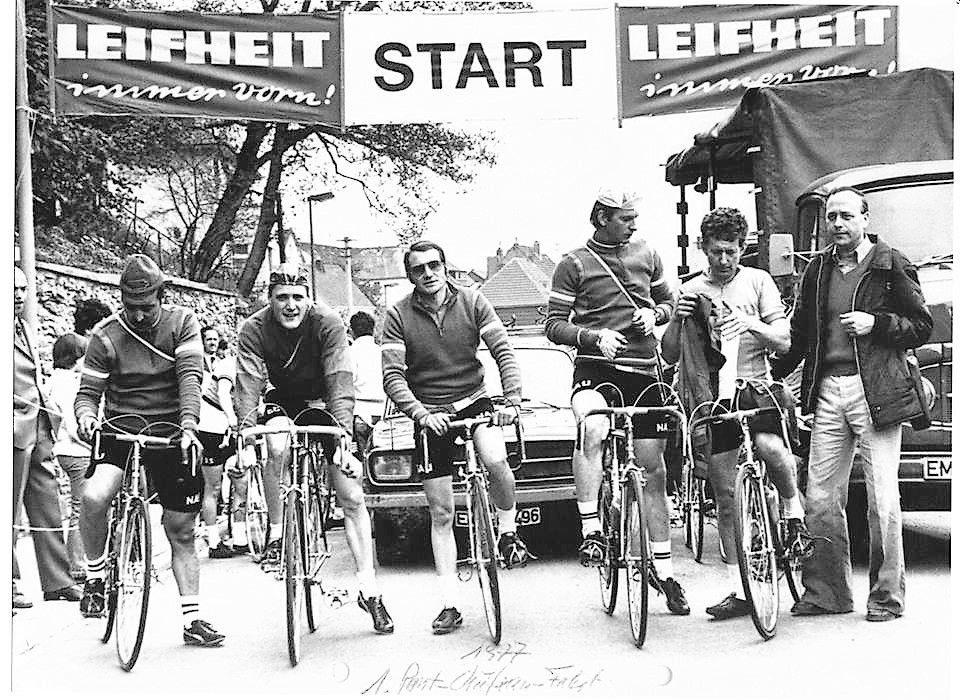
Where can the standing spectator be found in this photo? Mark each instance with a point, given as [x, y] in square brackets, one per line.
[367, 378]
[34, 484]
[211, 341]
[859, 307]
[72, 453]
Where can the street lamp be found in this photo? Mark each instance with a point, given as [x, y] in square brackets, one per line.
[322, 197]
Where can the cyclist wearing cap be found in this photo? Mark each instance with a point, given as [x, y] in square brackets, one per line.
[589, 308]
[146, 361]
[753, 325]
[301, 348]
[432, 373]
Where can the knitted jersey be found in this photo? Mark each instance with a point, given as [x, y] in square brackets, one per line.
[304, 364]
[584, 298]
[431, 361]
[136, 379]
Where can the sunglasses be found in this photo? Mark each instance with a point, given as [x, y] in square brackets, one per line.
[418, 271]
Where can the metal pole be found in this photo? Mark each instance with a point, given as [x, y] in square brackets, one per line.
[24, 173]
[313, 256]
[346, 245]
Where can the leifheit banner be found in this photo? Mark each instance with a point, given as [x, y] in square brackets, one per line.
[455, 67]
[241, 66]
[702, 57]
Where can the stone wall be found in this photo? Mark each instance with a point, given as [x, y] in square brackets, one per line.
[59, 287]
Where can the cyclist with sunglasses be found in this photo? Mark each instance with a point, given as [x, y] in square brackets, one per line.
[301, 348]
[432, 373]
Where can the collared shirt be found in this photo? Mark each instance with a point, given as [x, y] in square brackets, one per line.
[847, 262]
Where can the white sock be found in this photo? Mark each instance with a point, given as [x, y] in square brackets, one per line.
[507, 520]
[190, 605]
[448, 590]
[213, 535]
[734, 583]
[367, 582]
[96, 567]
[793, 508]
[589, 520]
[662, 560]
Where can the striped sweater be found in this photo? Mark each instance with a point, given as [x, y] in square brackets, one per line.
[138, 382]
[585, 299]
[431, 361]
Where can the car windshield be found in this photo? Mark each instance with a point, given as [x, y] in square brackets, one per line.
[545, 373]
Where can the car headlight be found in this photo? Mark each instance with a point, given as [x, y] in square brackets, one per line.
[391, 466]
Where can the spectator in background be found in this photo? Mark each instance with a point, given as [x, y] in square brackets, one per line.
[34, 484]
[71, 452]
[89, 313]
[367, 378]
[211, 341]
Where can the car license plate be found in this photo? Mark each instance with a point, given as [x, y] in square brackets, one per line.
[525, 516]
[937, 468]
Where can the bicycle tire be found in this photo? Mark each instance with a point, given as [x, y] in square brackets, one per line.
[256, 519]
[609, 528]
[756, 554]
[636, 556]
[294, 552]
[485, 558]
[313, 532]
[792, 568]
[133, 577]
[110, 573]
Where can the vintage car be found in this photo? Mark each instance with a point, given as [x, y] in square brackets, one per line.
[546, 510]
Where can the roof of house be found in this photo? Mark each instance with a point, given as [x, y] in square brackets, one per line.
[518, 283]
[530, 253]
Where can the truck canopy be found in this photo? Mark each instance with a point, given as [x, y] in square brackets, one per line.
[781, 138]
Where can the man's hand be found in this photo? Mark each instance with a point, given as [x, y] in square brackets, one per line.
[86, 427]
[736, 323]
[610, 342]
[644, 320]
[188, 438]
[350, 466]
[857, 323]
[248, 457]
[686, 305]
[439, 423]
[503, 416]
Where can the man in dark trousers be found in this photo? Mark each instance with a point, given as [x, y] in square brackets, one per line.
[34, 484]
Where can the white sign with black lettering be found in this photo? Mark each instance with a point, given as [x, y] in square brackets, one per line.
[416, 68]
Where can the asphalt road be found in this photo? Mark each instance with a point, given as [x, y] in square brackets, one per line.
[556, 640]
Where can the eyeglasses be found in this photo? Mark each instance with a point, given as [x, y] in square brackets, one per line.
[418, 271]
[288, 278]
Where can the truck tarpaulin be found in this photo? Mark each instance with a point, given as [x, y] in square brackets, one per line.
[783, 138]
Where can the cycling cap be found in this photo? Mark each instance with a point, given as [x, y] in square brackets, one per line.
[140, 276]
[618, 198]
[288, 273]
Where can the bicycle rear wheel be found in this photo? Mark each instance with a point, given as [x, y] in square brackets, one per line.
[133, 582]
[294, 552]
[313, 534]
[790, 565]
[485, 557]
[636, 555]
[256, 519]
[756, 553]
[693, 511]
[609, 526]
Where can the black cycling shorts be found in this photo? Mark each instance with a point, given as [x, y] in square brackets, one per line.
[177, 488]
[213, 454]
[727, 436]
[278, 406]
[442, 448]
[606, 379]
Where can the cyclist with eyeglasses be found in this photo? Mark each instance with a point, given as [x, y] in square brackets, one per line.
[146, 362]
[301, 348]
[432, 373]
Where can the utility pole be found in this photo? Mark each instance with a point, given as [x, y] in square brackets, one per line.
[322, 197]
[24, 171]
[348, 256]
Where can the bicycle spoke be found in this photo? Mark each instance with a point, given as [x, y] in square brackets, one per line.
[133, 583]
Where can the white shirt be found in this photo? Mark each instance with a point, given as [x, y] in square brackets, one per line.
[62, 390]
[367, 378]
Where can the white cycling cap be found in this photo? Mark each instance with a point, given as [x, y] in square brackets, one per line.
[618, 197]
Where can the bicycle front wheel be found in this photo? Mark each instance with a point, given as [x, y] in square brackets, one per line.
[693, 511]
[294, 553]
[133, 582]
[790, 564]
[609, 528]
[485, 557]
[756, 553]
[313, 534]
[255, 518]
[636, 555]
[110, 572]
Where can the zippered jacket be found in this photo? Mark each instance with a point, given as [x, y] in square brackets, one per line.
[890, 290]
[426, 361]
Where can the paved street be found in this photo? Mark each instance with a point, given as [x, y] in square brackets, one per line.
[556, 640]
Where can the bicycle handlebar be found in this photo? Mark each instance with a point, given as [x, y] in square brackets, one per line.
[193, 454]
[633, 411]
[257, 430]
[469, 424]
[733, 415]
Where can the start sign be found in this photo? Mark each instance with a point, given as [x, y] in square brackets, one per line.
[414, 68]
